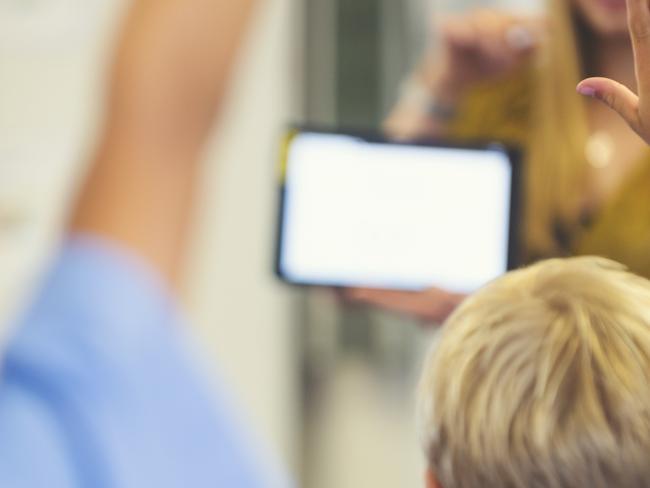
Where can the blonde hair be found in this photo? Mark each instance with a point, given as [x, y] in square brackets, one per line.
[556, 165]
[542, 379]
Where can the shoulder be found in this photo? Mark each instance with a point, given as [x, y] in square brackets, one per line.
[98, 304]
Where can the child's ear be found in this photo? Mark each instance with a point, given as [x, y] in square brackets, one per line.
[432, 481]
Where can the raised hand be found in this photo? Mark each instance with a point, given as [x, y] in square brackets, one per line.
[633, 107]
[168, 79]
[471, 48]
[485, 44]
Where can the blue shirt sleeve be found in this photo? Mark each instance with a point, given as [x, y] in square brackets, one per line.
[98, 389]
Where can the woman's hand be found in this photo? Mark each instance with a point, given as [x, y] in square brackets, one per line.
[431, 306]
[635, 109]
[471, 48]
[482, 45]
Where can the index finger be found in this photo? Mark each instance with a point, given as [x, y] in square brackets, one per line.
[638, 15]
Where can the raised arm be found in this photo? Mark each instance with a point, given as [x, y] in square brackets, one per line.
[97, 384]
[479, 46]
[168, 78]
[634, 108]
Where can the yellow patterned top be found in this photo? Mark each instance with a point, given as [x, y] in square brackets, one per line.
[620, 230]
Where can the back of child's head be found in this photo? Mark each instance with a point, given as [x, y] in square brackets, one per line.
[542, 379]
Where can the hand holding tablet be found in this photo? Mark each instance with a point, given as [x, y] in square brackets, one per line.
[364, 212]
[431, 306]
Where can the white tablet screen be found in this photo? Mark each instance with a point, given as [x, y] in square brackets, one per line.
[358, 213]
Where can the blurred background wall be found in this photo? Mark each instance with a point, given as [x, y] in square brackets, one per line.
[51, 54]
[328, 388]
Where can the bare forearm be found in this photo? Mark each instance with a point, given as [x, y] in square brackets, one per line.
[141, 198]
[169, 76]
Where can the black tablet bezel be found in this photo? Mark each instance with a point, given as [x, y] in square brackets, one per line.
[513, 153]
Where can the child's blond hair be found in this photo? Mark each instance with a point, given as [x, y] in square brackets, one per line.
[542, 379]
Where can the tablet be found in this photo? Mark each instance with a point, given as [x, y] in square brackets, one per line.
[361, 211]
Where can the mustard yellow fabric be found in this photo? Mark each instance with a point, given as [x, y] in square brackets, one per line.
[620, 230]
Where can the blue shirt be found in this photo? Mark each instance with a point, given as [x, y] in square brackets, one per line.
[98, 389]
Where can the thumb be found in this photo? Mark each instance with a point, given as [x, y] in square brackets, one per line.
[616, 96]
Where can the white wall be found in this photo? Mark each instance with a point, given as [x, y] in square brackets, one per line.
[51, 56]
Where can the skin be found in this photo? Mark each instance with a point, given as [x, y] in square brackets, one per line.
[615, 60]
[607, 17]
[430, 479]
[167, 84]
[475, 47]
[633, 108]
